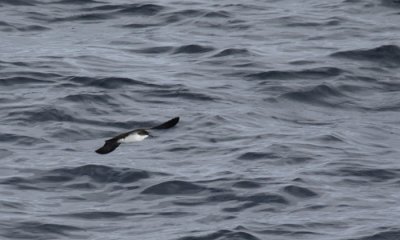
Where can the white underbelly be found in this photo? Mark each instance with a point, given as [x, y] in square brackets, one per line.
[133, 138]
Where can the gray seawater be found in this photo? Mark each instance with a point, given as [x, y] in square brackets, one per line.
[289, 119]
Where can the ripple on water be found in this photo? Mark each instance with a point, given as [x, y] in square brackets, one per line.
[192, 49]
[98, 215]
[21, 81]
[43, 114]
[314, 73]
[141, 9]
[323, 95]
[19, 2]
[32, 229]
[82, 177]
[181, 94]
[381, 235]
[223, 235]
[257, 156]
[388, 55]
[20, 140]
[154, 50]
[246, 184]
[174, 188]
[372, 174]
[233, 52]
[108, 82]
[300, 192]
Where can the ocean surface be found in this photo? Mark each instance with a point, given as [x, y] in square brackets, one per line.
[290, 123]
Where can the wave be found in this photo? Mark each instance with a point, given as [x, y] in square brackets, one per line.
[140, 25]
[174, 188]
[257, 155]
[19, 2]
[108, 82]
[217, 14]
[108, 7]
[189, 14]
[240, 202]
[102, 174]
[141, 9]
[199, 13]
[111, 11]
[314, 73]
[233, 52]
[323, 95]
[11, 205]
[4, 153]
[4, 24]
[382, 234]
[376, 175]
[326, 23]
[96, 215]
[391, 3]
[278, 154]
[301, 21]
[76, 132]
[386, 54]
[36, 76]
[192, 49]
[125, 9]
[83, 177]
[183, 94]
[222, 235]
[185, 49]
[20, 139]
[329, 138]
[19, 64]
[88, 98]
[299, 191]
[77, 2]
[84, 17]
[15, 81]
[264, 198]
[155, 50]
[33, 229]
[43, 114]
[246, 184]
[29, 28]
[7, 27]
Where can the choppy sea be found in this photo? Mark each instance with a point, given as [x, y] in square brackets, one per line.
[290, 124]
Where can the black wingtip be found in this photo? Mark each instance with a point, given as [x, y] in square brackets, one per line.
[102, 151]
[108, 147]
[169, 124]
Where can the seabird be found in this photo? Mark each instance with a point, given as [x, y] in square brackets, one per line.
[133, 136]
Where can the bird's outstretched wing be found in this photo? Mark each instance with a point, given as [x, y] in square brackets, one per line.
[109, 146]
[168, 124]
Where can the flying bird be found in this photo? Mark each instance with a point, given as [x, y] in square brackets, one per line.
[133, 136]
